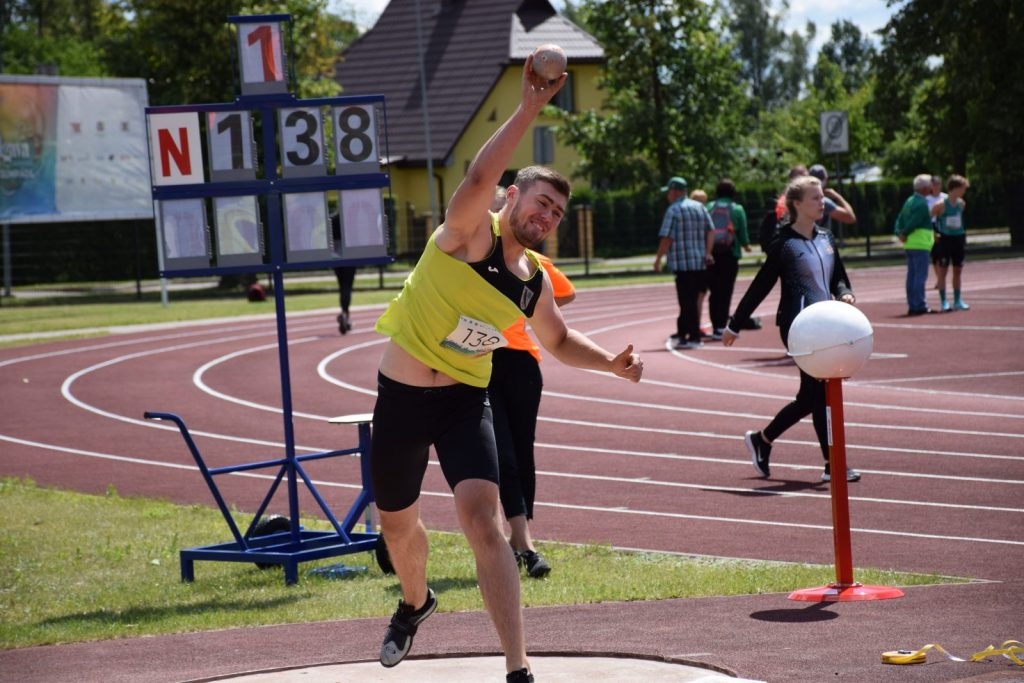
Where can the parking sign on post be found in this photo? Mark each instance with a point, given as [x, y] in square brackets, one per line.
[835, 132]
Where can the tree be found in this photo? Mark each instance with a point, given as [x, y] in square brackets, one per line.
[673, 102]
[773, 63]
[964, 49]
[53, 36]
[184, 48]
[849, 50]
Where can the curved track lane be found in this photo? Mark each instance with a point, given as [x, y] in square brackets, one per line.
[935, 421]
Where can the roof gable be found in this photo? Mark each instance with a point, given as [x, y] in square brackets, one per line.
[467, 45]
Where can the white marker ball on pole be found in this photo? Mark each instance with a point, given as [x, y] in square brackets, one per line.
[830, 339]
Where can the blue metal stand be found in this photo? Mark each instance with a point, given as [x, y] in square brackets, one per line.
[286, 548]
[300, 168]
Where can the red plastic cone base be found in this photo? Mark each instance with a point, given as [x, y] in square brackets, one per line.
[840, 593]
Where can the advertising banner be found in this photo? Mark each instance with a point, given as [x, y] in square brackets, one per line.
[73, 149]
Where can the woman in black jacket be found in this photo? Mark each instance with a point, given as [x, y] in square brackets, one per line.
[807, 262]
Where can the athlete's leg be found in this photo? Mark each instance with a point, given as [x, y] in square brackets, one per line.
[476, 502]
[406, 540]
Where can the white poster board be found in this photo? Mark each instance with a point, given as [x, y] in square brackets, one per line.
[73, 149]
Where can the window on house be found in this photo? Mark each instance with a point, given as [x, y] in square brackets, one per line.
[543, 145]
[563, 99]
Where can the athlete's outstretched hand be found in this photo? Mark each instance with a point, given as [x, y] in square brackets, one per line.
[628, 365]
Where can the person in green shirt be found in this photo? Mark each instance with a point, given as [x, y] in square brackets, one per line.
[914, 230]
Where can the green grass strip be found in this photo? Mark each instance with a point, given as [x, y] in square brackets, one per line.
[79, 567]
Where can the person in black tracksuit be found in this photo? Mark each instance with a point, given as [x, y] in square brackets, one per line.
[808, 264]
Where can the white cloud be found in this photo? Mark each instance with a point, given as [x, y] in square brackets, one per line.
[868, 15]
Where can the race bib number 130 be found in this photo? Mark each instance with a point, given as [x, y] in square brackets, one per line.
[474, 338]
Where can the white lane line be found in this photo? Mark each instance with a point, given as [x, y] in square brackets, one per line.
[68, 393]
[197, 378]
[557, 506]
[152, 463]
[722, 413]
[125, 342]
[767, 493]
[933, 378]
[788, 525]
[887, 407]
[321, 367]
[730, 437]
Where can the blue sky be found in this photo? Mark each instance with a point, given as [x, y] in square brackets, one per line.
[869, 15]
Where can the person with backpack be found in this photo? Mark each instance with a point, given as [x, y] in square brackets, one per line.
[731, 236]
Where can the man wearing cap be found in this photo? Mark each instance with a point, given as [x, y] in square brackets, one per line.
[687, 237]
[836, 207]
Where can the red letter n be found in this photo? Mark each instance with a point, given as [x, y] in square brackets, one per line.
[177, 149]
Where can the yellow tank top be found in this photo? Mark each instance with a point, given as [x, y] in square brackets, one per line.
[448, 317]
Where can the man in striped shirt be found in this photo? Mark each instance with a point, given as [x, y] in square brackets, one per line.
[687, 237]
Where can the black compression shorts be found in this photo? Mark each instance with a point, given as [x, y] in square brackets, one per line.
[407, 420]
[949, 249]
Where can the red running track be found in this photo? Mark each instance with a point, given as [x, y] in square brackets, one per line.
[934, 421]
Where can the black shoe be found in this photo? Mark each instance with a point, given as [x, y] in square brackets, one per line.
[534, 564]
[520, 676]
[344, 323]
[759, 451]
[851, 474]
[398, 637]
[921, 312]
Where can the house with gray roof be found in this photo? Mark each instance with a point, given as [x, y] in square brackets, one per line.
[449, 71]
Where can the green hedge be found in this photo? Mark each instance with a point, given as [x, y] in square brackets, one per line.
[101, 251]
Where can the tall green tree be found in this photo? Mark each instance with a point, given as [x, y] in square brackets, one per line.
[674, 102]
[56, 37]
[185, 49]
[773, 62]
[969, 52]
[850, 51]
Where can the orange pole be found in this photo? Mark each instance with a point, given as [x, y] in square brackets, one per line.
[844, 588]
[838, 485]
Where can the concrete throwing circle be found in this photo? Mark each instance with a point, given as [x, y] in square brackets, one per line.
[568, 669]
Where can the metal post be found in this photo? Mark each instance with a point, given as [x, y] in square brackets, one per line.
[8, 278]
[138, 262]
[845, 588]
[838, 485]
[426, 112]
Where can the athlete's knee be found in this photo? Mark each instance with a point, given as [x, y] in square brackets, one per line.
[400, 524]
[476, 502]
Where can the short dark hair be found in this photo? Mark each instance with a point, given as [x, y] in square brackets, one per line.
[532, 174]
[725, 188]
